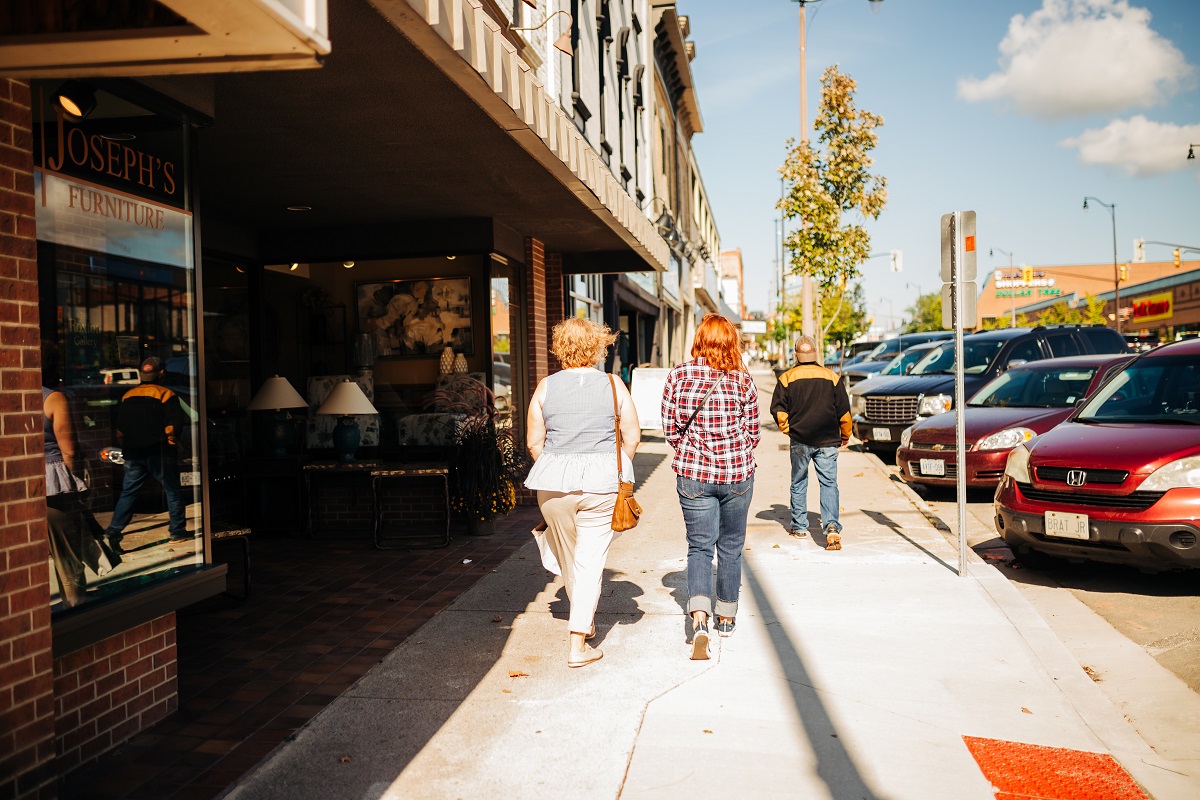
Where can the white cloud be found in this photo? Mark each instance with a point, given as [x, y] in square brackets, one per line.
[1077, 57]
[1137, 146]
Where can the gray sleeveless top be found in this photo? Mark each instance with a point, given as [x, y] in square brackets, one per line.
[580, 454]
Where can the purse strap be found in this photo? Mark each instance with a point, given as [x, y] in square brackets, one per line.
[683, 431]
[617, 423]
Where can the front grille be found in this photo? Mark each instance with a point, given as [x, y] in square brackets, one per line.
[951, 471]
[1135, 501]
[893, 410]
[1059, 475]
[989, 474]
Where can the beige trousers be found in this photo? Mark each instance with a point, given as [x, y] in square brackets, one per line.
[579, 531]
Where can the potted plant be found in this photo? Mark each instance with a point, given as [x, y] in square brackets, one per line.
[487, 463]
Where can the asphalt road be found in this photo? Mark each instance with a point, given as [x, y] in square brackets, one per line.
[1160, 613]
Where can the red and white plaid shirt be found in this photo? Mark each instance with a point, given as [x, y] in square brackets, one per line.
[719, 445]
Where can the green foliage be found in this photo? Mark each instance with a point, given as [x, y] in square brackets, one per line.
[926, 314]
[826, 183]
[844, 314]
[1091, 312]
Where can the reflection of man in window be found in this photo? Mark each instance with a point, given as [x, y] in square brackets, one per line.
[150, 420]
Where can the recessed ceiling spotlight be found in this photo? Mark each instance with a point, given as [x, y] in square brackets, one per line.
[451, 258]
[348, 264]
[118, 137]
[299, 208]
[295, 266]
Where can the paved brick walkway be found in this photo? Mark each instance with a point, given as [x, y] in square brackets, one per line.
[251, 674]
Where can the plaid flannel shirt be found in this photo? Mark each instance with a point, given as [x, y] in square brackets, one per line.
[719, 445]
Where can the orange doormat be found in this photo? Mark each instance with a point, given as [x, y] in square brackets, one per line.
[1031, 772]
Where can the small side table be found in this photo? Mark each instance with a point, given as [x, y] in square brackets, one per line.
[393, 472]
[351, 474]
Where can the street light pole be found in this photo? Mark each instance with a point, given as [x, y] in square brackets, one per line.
[1012, 295]
[1112, 208]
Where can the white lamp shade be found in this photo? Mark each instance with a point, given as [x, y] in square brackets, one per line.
[274, 394]
[347, 398]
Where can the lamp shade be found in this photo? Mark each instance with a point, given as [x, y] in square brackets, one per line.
[347, 398]
[274, 394]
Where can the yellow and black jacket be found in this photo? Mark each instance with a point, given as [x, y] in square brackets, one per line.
[149, 417]
[812, 407]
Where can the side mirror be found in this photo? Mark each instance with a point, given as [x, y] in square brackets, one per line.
[1016, 362]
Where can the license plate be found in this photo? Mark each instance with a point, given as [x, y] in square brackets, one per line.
[881, 434]
[933, 466]
[1067, 526]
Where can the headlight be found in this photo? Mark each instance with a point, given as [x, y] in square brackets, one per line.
[905, 436]
[934, 404]
[860, 404]
[1017, 466]
[1178, 474]
[1005, 439]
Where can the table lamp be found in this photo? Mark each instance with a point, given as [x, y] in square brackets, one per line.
[277, 394]
[346, 398]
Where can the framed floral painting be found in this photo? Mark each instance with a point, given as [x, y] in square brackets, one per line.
[417, 318]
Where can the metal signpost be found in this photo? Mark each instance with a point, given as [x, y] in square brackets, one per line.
[959, 296]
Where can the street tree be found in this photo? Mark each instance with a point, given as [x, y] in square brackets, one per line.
[926, 314]
[827, 183]
[845, 314]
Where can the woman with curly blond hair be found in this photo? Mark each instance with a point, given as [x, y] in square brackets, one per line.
[710, 417]
[572, 437]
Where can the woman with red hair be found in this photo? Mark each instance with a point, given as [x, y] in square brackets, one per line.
[710, 417]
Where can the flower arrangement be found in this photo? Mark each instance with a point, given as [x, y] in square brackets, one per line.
[487, 463]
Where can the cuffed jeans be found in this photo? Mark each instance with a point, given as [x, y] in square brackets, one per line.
[825, 460]
[715, 517]
[579, 531]
[164, 469]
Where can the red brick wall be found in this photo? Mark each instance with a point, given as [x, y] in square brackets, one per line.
[536, 333]
[555, 306]
[26, 663]
[107, 692]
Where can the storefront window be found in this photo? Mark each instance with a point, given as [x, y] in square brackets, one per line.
[117, 292]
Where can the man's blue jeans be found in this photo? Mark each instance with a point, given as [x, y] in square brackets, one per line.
[825, 460]
[164, 469]
[715, 517]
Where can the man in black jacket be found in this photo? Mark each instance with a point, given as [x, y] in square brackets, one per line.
[150, 420]
[812, 407]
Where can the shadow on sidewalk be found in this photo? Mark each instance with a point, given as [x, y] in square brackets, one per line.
[834, 764]
[618, 598]
[884, 519]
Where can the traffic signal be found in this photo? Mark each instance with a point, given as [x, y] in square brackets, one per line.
[1124, 272]
[1139, 250]
[1027, 274]
[1177, 258]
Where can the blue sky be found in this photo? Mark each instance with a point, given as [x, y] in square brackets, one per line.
[1015, 109]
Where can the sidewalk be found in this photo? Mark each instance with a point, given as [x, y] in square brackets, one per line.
[853, 674]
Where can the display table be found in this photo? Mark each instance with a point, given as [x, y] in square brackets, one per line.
[389, 483]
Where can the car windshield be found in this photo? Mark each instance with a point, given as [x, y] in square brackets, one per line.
[1036, 388]
[1157, 390]
[878, 352]
[940, 360]
[900, 363]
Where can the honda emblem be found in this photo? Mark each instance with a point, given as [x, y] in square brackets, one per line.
[1076, 477]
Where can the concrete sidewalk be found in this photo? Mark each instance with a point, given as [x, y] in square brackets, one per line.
[852, 674]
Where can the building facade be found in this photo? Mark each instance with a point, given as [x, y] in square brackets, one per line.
[429, 176]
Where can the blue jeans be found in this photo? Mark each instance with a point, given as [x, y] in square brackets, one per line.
[163, 468]
[825, 460]
[715, 517]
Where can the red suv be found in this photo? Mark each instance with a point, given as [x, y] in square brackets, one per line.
[1119, 481]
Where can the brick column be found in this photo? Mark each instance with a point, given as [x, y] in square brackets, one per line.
[555, 300]
[537, 335]
[27, 742]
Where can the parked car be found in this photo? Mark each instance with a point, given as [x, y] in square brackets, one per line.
[1119, 481]
[902, 364]
[1023, 402]
[881, 357]
[882, 412]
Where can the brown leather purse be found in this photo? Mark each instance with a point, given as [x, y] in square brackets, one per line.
[627, 509]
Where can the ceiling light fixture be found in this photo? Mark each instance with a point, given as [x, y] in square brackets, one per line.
[348, 264]
[563, 42]
[76, 99]
[451, 258]
[295, 266]
[1191, 152]
[299, 208]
